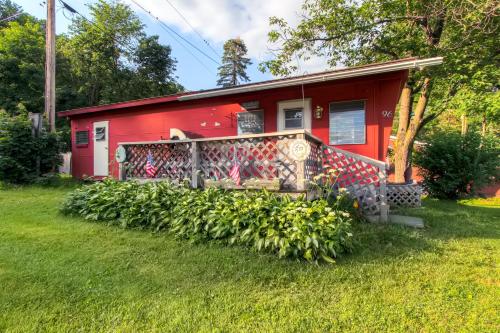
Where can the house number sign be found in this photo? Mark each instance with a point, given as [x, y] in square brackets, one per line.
[386, 114]
[120, 154]
[299, 149]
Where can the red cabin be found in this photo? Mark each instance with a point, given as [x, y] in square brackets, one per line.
[351, 109]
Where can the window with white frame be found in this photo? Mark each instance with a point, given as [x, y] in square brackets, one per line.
[347, 123]
[294, 114]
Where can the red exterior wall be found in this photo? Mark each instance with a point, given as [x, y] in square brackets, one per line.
[153, 122]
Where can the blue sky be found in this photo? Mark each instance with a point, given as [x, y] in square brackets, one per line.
[215, 20]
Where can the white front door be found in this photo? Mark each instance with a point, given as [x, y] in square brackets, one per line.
[101, 155]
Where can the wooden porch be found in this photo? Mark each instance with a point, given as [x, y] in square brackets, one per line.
[281, 161]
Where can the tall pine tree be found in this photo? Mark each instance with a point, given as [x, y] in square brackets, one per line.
[234, 63]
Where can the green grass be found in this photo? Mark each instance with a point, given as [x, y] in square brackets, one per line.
[62, 274]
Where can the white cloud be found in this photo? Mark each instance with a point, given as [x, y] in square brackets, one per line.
[220, 20]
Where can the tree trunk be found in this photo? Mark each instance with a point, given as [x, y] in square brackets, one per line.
[465, 124]
[484, 125]
[408, 129]
[400, 155]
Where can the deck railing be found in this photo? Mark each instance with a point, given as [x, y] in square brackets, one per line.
[291, 158]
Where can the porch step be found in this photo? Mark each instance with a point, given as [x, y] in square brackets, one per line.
[409, 221]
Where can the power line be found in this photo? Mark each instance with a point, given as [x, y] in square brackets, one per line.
[11, 17]
[196, 31]
[74, 11]
[174, 32]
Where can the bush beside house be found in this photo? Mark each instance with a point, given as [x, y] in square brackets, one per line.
[23, 157]
[311, 230]
[454, 165]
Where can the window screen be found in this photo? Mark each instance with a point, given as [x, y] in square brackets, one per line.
[250, 122]
[294, 118]
[347, 123]
[82, 137]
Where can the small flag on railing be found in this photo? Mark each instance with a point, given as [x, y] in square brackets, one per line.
[235, 173]
[150, 166]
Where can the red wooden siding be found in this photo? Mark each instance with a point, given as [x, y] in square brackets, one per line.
[153, 122]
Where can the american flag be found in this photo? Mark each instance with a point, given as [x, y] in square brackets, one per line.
[235, 173]
[150, 166]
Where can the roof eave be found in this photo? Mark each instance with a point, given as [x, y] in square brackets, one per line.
[314, 78]
[348, 73]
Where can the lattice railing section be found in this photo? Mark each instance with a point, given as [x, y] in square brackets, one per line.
[314, 162]
[405, 195]
[172, 160]
[259, 157]
[361, 176]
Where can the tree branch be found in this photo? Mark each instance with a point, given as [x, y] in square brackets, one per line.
[374, 24]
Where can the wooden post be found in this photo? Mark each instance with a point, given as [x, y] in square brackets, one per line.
[384, 207]
[301, 169]
[50, 65]
[122, 175]
[36, 128]
[195, 164]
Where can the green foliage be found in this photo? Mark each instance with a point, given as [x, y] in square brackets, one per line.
[234, 63]
[111, 59]
[19, 150]
[9, 9]
[22, 67]
[108, 60]
[454, 165]
[348, 32]
[155, 69]
[311, 230]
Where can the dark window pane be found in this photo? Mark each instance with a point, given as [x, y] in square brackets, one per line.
[293, 118]
[293, 123]
[82, 137]
[250, 122]
[100, 133]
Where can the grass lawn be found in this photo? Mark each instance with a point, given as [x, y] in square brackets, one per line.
[62, 274]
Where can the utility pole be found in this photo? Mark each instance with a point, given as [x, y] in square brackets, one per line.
[50, 65]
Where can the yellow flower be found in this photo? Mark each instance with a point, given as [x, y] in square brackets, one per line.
[355, 204]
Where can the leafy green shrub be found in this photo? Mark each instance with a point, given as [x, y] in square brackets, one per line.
[19, 150]
[454, 165]
[313, 230]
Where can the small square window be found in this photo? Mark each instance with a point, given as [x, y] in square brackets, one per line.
[294, 118]
[82, 138]
[100, 133]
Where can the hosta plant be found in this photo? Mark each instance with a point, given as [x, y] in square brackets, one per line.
[317, 230]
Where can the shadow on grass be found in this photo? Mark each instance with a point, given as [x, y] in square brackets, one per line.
[445, 219]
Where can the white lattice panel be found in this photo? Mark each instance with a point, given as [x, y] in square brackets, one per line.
[259, 157]
[404, 195]
[173, 160]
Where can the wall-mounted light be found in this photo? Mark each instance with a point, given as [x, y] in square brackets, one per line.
[318, 112]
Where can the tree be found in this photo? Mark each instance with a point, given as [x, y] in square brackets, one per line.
[22, 67]
[358, 32]
[234, 63]
[99, 51]
[155, 68]
[111, 59]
